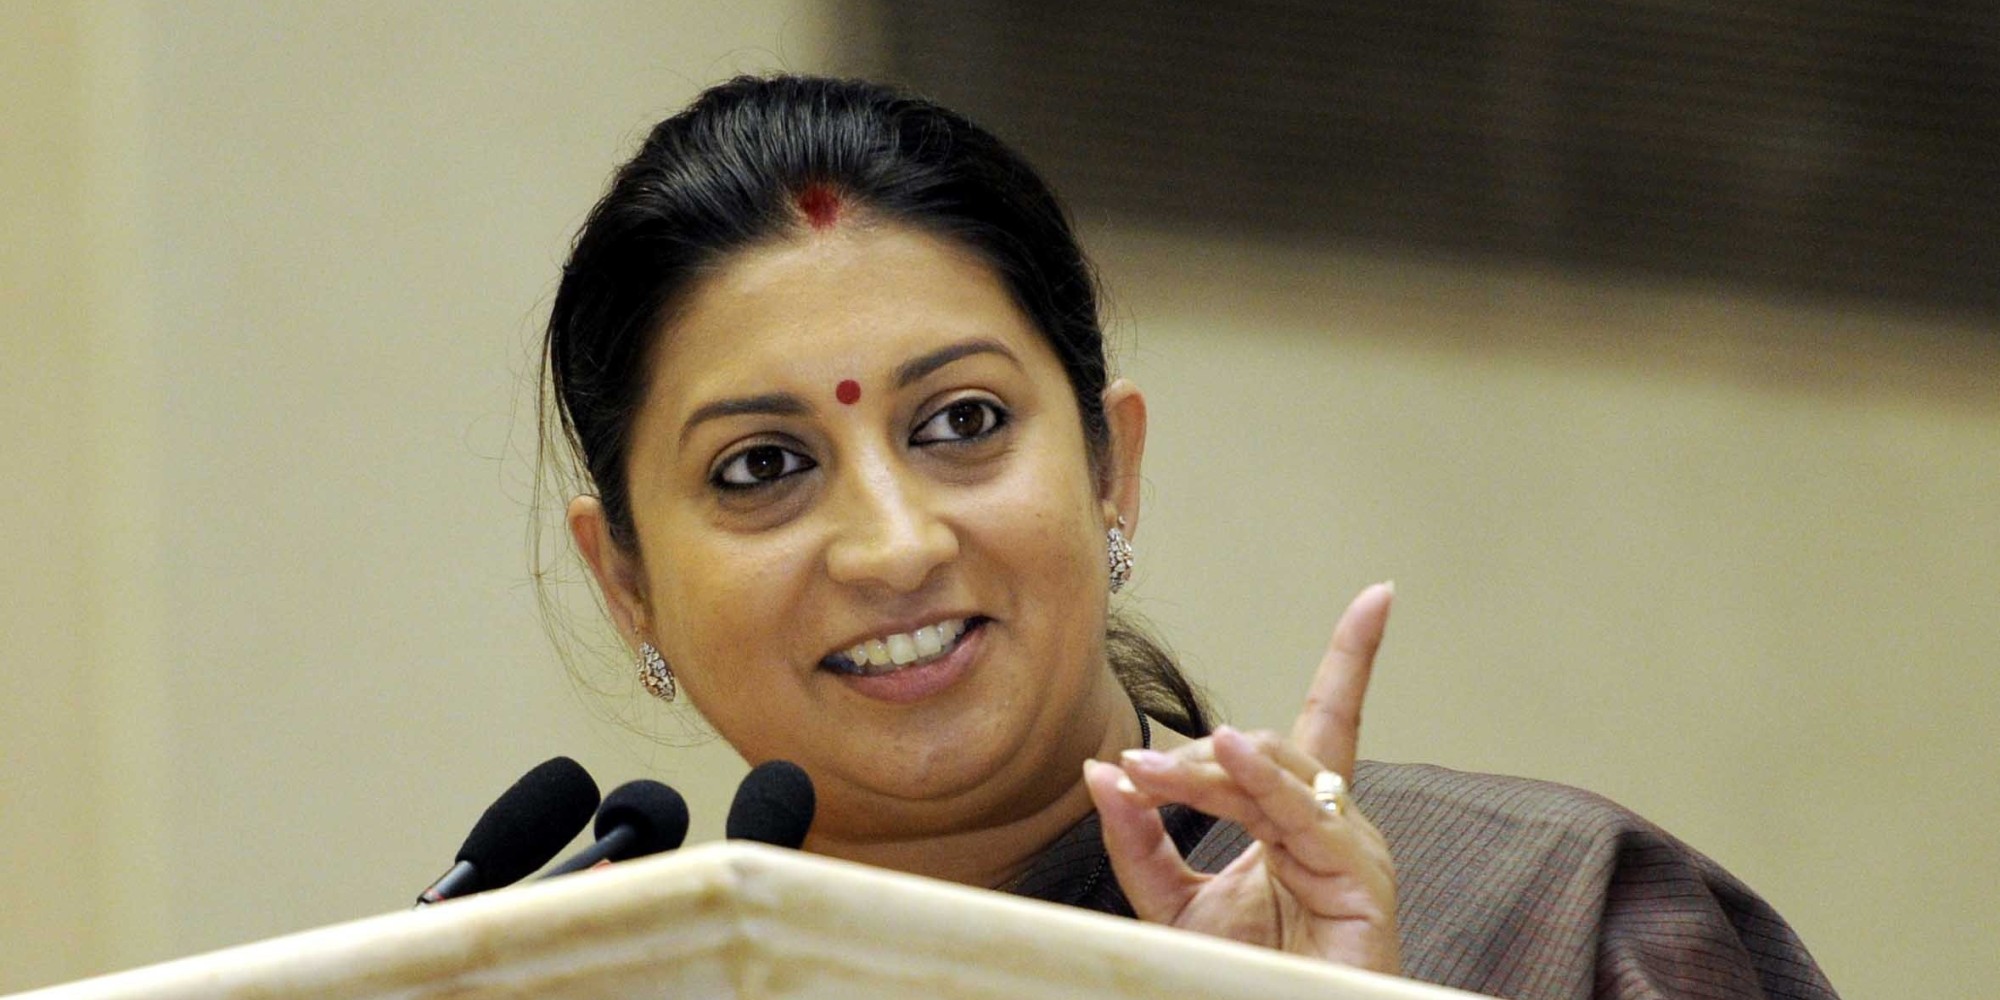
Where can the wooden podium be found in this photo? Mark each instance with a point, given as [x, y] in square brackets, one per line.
[742, 920]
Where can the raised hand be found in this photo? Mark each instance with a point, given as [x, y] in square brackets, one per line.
[1319, 880]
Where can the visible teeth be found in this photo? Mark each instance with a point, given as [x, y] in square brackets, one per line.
[906, 648]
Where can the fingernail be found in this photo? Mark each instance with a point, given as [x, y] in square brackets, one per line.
[1125, 785]
[1145, 760]
[1390, 586]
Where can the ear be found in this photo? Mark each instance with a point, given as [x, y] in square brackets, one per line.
[1125, 411]
[618, 573]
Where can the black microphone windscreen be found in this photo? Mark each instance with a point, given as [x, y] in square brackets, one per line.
[774, 805]
[657, 815]
[530, 822]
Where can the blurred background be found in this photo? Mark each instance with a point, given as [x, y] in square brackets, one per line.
[1652, 348]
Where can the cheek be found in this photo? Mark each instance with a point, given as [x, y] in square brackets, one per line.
[724, 606]
[1044, 520]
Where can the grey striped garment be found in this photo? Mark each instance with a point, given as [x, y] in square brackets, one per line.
[1519, 889]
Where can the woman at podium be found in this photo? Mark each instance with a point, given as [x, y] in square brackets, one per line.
[860, 485]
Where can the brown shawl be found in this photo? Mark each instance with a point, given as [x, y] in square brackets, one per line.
[1519, 889]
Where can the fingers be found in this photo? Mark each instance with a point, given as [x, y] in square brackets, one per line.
[1329, 724]
[1264, 784]
[1192, 774]
[1356, 920]
[1148, 866]
[1287, 814]
[1331, 868]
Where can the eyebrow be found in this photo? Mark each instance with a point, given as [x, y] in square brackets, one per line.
[918, 367]
[781, 404]
[784, 404]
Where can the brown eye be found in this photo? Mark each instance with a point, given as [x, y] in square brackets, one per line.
[965, 420]
[765, 463]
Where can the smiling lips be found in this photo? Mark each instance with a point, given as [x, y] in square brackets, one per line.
[890, 653]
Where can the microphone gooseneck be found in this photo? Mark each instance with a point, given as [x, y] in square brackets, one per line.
[638, 818]
[774, 805]
[520, 831]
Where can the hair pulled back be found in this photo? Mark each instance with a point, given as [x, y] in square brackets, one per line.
[726, 174]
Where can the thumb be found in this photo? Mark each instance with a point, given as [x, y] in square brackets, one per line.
[1149, 868]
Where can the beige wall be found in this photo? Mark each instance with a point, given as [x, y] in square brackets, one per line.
[45, 786]
[273, 275]
[273, 279]
[1733, 563]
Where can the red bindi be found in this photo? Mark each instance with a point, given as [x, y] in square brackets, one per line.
[820, 204]
[848, 391]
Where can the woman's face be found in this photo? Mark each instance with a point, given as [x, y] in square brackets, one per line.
[869, 537]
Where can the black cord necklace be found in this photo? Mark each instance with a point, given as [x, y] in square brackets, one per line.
[1104, 861]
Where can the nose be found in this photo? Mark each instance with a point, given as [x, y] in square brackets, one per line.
[888, 533]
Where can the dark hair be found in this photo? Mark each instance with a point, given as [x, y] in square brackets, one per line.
[727, 174]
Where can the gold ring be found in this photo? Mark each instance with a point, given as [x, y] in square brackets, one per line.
[1328, 789]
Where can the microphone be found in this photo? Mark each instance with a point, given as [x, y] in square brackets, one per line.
[774, 805]
[639, 818]
[520, 831]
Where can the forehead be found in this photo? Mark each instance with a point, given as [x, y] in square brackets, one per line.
[851, 302]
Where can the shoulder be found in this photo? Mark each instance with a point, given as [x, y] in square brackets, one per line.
[1423, 802]
[1534, 888]
[1526, 888]
[1448, 825]
[1423, 810]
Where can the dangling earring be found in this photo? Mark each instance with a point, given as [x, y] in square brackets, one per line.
[1120, 551]
[655, 674]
